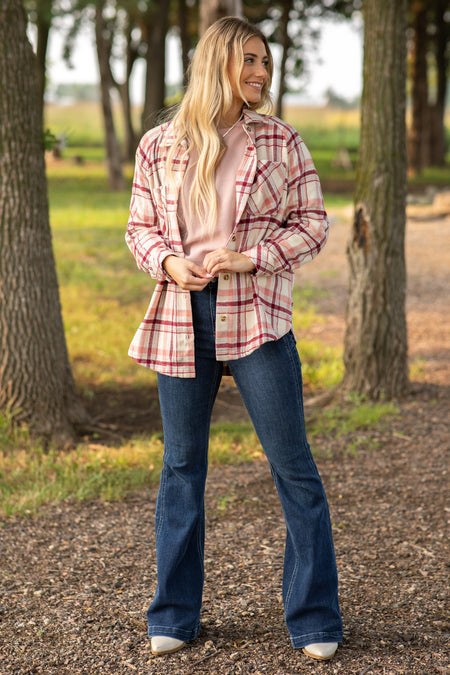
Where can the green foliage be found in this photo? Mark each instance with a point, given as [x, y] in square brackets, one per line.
[48, 139]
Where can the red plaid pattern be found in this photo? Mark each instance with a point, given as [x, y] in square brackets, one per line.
[280, 225]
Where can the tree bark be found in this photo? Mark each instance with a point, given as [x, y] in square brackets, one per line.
[43, 24]
[184, 38]
[116, 179]
[156, 23]
[131, 141]
[375, 347]
[437, 121]
[420, 127]
[285, 42]
[36, 383]
[212, 10]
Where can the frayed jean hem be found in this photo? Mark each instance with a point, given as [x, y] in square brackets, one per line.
[177, 633]
[300, 641]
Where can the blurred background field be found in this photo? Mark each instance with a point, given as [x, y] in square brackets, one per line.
[326, 131]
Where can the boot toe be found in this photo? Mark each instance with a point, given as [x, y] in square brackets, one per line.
[165, 645]
[321, 650]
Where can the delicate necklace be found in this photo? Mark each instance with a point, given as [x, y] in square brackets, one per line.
[231, 128]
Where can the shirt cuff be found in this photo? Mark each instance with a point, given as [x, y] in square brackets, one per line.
[163, 276]
[260, 258]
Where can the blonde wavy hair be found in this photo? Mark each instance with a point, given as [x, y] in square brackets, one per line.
[208, 97]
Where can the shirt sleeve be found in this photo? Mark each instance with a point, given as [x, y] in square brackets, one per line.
[304, 225]
[144, 236]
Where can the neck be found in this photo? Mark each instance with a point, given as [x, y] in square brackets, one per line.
[229, 118]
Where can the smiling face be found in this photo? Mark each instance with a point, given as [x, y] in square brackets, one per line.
[253, 75]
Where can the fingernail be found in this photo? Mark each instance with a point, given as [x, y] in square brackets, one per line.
[208, 274]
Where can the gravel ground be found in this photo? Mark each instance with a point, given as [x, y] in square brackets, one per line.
[76, 579]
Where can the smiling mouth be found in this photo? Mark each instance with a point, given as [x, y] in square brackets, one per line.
[255, 85]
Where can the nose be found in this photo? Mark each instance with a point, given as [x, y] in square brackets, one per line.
[261, 71]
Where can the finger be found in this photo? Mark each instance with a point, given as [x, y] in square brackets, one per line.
[215, 261]
[198, 271]
[193, 284]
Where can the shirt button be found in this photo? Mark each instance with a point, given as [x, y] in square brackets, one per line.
[223, 318]
[233, 238]
[248, 127]
[226, 277]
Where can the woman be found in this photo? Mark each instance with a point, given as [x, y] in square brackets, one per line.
[226, 204]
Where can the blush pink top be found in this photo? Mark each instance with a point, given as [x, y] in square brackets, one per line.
[195, 243]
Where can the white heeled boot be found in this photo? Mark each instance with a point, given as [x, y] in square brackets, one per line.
[321, 650]
[165, 645]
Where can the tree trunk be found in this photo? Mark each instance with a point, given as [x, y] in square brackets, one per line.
[437, 122]
[211, 10]
[116, 179]
[375, 348]
[36, 383]
[156, 25]
[131, 140]
[184, 38]
[419, 134]
[285, 42]
[43, 24]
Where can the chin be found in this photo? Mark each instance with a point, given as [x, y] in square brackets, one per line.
[254, 97]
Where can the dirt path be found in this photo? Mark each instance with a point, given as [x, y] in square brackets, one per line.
[76, 579]
[428, 288]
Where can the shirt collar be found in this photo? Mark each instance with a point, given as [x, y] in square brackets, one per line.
[250, 117]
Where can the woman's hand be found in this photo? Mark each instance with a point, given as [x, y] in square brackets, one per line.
[224, 260]
[185, 273]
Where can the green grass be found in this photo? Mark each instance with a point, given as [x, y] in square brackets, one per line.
[357, 414]
[31, 477]
[103, 294]
[104, 298]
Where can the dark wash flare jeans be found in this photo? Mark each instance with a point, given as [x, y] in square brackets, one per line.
[270, 383]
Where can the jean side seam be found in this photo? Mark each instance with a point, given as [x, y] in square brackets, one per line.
[299, 388]
[214, 390]
[162, 502]
[329, 532]
[296, 564]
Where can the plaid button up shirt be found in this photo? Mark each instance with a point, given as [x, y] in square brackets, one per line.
[280, 225]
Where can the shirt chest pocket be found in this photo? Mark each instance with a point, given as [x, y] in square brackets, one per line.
[268, 191]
